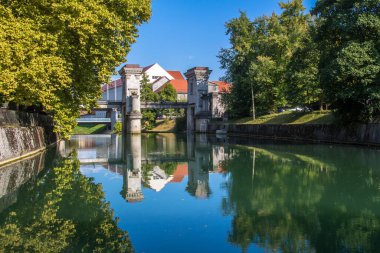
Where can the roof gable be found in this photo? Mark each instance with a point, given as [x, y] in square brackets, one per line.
[157, 70]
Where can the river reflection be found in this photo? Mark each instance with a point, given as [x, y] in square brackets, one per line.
[178, 193]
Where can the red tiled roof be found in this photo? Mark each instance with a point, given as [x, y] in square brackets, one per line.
[223, 86]
[179, 85]
[180, 173]
[176, 74]
[111, 85]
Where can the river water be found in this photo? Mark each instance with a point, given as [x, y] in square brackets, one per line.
[178, 193]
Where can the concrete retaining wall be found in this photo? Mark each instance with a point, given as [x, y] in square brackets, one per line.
[22, 134]
[13, 175]
[363, 134]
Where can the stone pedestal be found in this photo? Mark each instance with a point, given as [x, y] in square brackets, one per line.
[131, 77]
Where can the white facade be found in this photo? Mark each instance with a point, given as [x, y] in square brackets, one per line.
[112, 94]
[159, 82]
[155, 71]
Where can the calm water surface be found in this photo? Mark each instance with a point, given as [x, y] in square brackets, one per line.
[174, 193]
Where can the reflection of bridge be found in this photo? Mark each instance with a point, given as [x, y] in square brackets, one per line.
[129, 154]
[121, 162]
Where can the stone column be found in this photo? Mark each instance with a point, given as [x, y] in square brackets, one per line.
[132, 188]
[113, 117]
[123, 110]
[131, 76]
[198, 175]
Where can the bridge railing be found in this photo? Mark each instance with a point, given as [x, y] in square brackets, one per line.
[163, 105]
[95, 120]
[147, 105]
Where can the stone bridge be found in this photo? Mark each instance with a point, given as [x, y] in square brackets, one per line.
[107, 104]
[202, 106]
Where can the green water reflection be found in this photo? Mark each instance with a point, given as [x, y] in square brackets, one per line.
[304, 198]
[61, 211]
[254, 196]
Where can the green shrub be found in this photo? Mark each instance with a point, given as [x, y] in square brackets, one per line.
[117, 129]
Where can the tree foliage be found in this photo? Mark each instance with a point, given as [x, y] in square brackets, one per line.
[293, 59]
[58, 53]
[146, 92]
[349, 40]
[168, 93]
[303, 75]
[259, 55]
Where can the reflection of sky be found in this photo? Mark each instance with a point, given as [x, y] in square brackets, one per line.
[170, 220]
[87, 154]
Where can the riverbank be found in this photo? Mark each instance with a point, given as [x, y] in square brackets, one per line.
[291, 117]
[355, 134]
[90, 129]
[24, 134]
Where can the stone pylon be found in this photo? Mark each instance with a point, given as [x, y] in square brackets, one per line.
[131, 76]
[198, 112]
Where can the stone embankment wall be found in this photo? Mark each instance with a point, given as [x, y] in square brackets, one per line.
[22, 134]
[362, 134]
[14, 175]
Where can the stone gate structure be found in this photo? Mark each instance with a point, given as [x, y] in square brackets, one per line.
[204, 99]
[130, 108]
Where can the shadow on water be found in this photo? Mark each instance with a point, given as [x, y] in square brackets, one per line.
[58, 210]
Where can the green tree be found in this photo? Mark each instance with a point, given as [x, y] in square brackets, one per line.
[146, 91]
[58, 53]
[258, 58]
[149, 118]
[348, 38]
[147, 95]
[168, 93]
[302, 74]
[236, 61]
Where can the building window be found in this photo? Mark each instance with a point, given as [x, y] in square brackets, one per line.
[155, 77]
[191, 88]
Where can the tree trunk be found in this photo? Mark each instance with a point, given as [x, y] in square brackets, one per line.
[253, 105]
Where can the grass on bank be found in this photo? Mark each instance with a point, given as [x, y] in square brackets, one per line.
[164, 126]
[289, 117]
[90, 128]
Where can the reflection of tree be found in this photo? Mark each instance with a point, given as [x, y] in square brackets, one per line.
[62, 211]
[294, 203]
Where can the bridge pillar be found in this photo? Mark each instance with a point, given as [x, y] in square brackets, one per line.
[198, 113]
[131, 113]
[113, 118]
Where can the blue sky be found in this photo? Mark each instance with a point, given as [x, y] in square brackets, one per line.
[186, 33]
